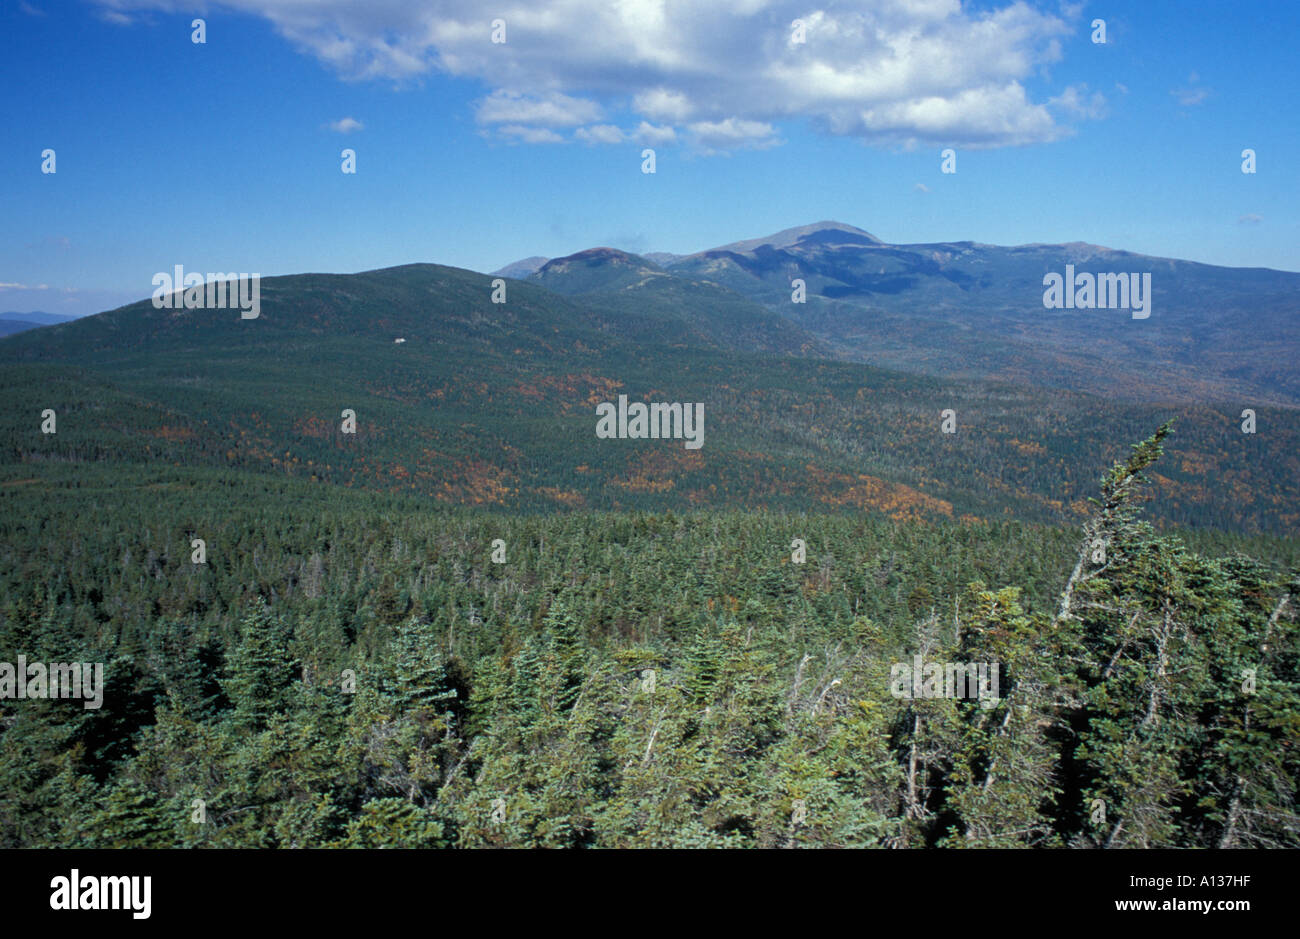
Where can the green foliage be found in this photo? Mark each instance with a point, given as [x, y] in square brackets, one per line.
[262, 668]
[154, 390]
[418, 677]
[393, 823]
[636, 680]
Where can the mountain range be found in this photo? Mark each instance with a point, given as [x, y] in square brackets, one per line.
[836, 403]
[11, 323]
[968, 310]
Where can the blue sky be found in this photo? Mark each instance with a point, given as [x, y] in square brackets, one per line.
[225, 156]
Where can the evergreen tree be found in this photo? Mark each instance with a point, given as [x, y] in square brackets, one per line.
[487, 698]
[702, 666]
[525, 690]
[1006, 773]
[393, 823]
[566, 645]
[262, 671]
[129, 818]
[418, 671]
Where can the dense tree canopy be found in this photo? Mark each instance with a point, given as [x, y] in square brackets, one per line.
[362, 673]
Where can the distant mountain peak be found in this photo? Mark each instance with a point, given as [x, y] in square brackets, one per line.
[826, 225]
[522, 268]
[818, 231]
[1075, 246]
[596, 269]
[596, 256]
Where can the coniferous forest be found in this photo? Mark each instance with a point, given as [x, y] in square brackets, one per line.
[382, 671]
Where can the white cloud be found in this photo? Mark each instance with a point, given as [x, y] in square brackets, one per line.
[663, 104]
[599, 133]
[345, 125]
[1076, 102]
[894, 72]
[553, 110]
[921, 187]
[1250, 219]
[654, 136]
[973, 118]
[733, 133]
[530, 134]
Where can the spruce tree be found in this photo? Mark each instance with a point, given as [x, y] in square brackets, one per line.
[131, 817]
[703, 665]
[418, 673]
[262, 671]
[525, 688]
[566, 644]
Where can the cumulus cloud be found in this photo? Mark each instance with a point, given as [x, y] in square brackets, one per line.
[733, 133]
[654, 136]
[599, 133]
[893, 72]
[346, 125]
[663, 104]
[553, 110]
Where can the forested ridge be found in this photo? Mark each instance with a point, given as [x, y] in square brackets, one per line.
[494, 405]
[359, 668]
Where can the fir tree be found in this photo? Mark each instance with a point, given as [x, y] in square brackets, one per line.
[129, 818]
[418, 671]
[262, 671]
[566, 645]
